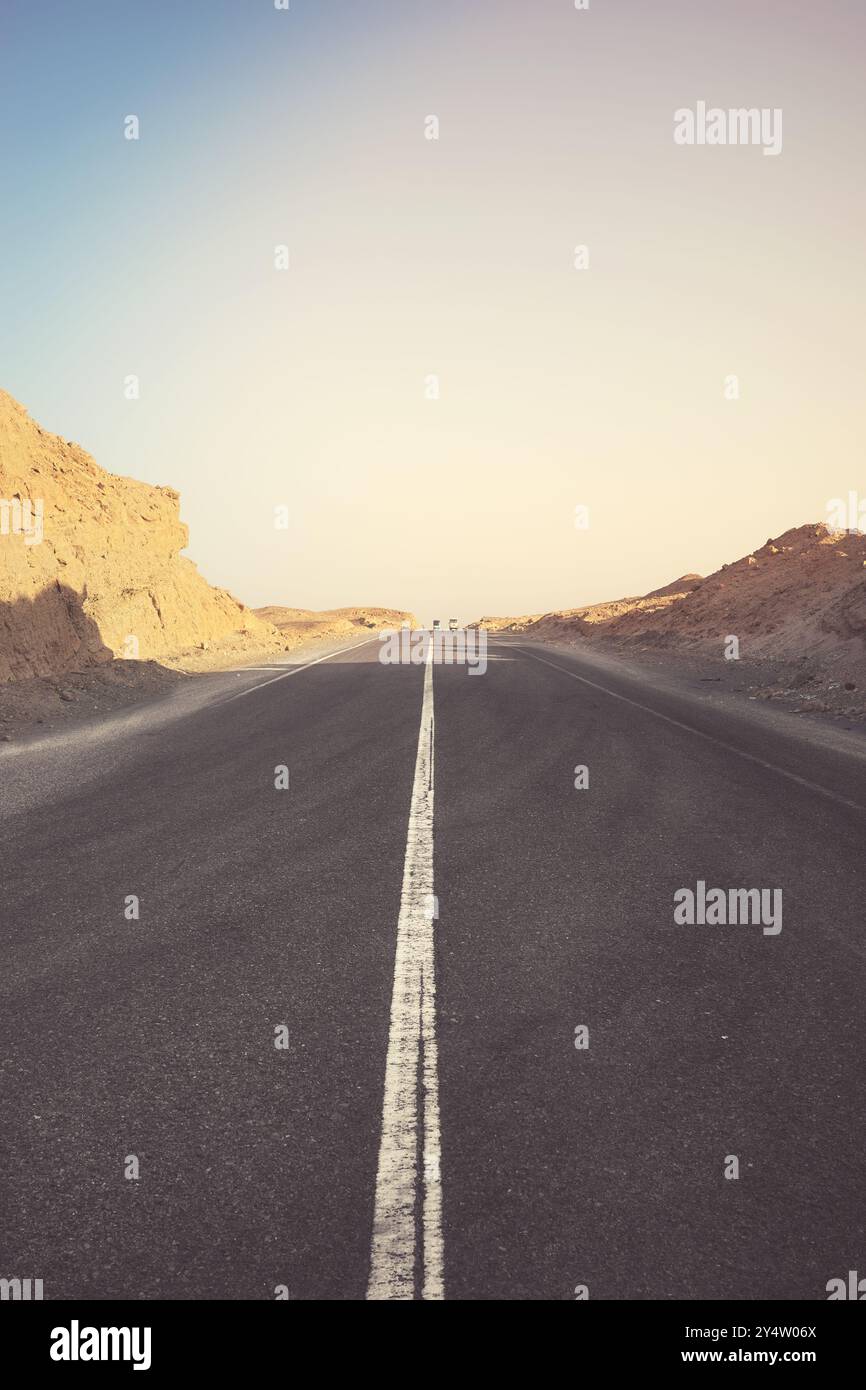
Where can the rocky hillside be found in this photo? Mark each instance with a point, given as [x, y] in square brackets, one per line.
[797, 605]
[803, 593]
[594, 618]
[90, 564]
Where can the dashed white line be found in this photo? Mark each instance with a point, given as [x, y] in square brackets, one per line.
[408, 1203]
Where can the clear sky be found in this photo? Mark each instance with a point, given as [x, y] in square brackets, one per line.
[454, 257]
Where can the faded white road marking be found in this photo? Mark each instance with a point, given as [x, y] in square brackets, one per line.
[295, 670]
[411, 1068]
[699, 733]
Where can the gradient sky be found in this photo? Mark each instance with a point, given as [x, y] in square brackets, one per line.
[408, 257]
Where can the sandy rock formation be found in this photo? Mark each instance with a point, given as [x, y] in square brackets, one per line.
[106, 567]
[804, 592]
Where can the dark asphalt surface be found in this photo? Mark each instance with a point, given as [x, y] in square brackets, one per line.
[559, 1167]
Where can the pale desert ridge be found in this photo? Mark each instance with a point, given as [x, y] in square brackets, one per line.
[98, 606]
[797, 605]
[304, 625]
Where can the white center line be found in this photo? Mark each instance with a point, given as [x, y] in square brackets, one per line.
[411, 1067]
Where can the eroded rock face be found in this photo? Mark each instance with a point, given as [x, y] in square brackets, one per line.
[801, 593]
[105, 578]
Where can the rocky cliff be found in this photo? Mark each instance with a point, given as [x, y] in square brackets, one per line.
[90, 563]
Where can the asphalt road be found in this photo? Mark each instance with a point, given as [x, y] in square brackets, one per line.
[536, 1166]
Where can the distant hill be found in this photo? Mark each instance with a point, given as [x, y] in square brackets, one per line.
[303, 625]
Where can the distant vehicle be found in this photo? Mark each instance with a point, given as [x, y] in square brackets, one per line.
[435, 624]
[452, 624]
